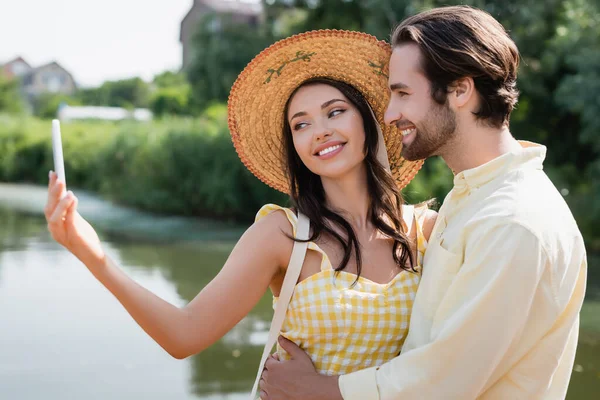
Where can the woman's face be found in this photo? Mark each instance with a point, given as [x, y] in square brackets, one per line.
[327, 130]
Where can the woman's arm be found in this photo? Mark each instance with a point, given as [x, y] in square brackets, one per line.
[254, 262]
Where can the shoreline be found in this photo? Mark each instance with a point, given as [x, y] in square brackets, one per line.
[120, 221]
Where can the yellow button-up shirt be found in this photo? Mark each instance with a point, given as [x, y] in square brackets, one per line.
[496, 315]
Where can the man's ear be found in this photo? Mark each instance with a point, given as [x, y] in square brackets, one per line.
[462, 91]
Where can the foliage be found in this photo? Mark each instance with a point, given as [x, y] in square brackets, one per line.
[10, 96]
[559, 80]
[177, 166]
[222, 48]
[169, 79]
[172, 100]
[47, 105]
[127, 93]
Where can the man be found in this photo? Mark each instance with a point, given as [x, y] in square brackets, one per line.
[496, 315]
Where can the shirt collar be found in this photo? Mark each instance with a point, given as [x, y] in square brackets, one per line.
[531, 156]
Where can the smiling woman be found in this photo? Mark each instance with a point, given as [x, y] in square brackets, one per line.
[332, 133]
[306, 118]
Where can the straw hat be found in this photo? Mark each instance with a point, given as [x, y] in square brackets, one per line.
[259, 95]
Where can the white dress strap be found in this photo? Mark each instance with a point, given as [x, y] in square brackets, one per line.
[287, 289]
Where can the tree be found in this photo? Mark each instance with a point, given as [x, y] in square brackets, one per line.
[127, 93]
[559, 80]
[222, 48]
[11, 100]
[46, 105]
[169, 79]
[171, 100]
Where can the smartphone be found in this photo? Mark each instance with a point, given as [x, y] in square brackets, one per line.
[59, 164]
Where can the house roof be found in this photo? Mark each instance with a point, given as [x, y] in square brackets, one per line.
[21, 59]
[52, 63]
[7, 69]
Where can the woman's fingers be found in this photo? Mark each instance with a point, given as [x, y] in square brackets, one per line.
[69, 218]
[47, 209]
[54, 196]
[51, 179]
[61, 209]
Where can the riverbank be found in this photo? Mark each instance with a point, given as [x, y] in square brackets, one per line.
[123, 222]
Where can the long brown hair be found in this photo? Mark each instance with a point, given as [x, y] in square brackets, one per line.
[385, 201]
[461, 41]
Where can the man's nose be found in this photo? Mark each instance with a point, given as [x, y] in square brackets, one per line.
[392, 113]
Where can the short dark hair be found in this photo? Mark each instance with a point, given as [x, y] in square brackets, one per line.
[462, 41]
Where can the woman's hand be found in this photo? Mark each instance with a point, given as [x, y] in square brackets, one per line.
[68, 227]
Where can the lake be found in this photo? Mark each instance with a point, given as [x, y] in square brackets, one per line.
[63, 336]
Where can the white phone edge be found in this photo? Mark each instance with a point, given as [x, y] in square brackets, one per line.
[57, 151]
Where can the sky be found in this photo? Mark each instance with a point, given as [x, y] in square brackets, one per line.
[94, 40]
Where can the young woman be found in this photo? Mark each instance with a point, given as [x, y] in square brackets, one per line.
[304, 117]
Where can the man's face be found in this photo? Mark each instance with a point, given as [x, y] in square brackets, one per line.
[426, 126]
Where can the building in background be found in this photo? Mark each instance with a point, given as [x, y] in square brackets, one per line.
[241, 11]
[48, 78]
[15, 68]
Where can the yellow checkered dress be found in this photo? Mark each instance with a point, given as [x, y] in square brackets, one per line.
[347, 329]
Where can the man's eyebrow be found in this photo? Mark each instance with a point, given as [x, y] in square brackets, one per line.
[398, 85]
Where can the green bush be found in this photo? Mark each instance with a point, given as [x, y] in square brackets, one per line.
[170, 101]
[188, 166]
[10, 96]
[175, 166]
[46, 105]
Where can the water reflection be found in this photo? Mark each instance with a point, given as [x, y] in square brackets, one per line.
[77, 336]
[67, 337]
[230, 364]
[16, 230]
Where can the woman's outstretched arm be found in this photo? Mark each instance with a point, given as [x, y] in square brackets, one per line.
[251, 267]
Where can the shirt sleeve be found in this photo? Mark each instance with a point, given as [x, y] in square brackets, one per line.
[483, 312]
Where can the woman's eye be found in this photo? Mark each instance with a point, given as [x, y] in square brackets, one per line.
[402, 94]
[335, 112]
[299, 126]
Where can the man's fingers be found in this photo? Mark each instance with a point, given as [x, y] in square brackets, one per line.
[291, 348]
[264, 390]
[270, 363]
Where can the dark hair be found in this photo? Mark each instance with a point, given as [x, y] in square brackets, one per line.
[308, 196]
[461, 41]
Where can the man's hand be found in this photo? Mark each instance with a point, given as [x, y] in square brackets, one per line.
[297, 378]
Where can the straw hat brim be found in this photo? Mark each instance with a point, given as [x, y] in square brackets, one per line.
[259, 95]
